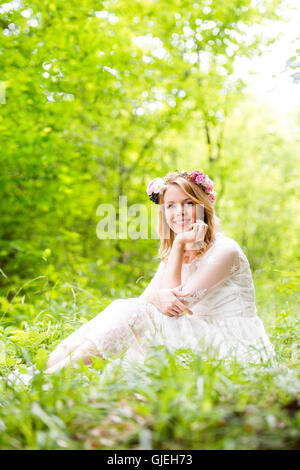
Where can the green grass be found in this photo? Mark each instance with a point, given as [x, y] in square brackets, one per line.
[179, 401]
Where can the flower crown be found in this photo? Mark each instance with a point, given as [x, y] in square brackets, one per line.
[156, 185]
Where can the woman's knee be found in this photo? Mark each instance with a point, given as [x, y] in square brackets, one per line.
[59, 353]
[87, 347]
[85, 352]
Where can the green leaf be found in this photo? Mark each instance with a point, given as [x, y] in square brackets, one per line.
[41, 358]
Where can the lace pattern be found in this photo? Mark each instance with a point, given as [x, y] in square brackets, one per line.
[233, 268]
[198, 295]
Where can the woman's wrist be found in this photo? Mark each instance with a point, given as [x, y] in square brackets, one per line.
[172, 274]
[180, 244]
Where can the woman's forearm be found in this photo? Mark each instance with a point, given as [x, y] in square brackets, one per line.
[172, 274]
[147, 296]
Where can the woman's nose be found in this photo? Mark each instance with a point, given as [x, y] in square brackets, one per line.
[180, 209]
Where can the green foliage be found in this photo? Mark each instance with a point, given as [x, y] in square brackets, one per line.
[172, 401]
[94, 106]
[100, 97]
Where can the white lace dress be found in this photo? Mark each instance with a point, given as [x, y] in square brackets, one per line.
[224, 323]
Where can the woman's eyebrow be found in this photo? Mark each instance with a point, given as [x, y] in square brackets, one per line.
[182, 201]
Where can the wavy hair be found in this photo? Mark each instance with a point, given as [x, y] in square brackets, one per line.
[198, 196]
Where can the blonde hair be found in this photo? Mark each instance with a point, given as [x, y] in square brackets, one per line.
[198, 196]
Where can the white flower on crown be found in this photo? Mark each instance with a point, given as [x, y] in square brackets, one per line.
[155, 186]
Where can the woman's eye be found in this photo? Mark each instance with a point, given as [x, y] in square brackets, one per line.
[171, 205]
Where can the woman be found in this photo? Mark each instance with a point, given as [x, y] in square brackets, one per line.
[202, 296]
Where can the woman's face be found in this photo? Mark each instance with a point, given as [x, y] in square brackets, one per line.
[180, 210]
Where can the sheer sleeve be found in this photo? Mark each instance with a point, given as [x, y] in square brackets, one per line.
[154, 283]
[221, 263]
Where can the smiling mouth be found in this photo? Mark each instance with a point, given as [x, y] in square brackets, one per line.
[182, 222]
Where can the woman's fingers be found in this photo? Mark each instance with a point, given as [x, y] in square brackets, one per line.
[171, 313]
[177, 311]
[174, 311]
[201, 228]
[183, 307]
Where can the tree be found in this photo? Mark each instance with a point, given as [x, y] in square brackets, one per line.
[95, 94]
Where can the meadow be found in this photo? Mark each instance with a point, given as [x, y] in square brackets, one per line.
[181, 401]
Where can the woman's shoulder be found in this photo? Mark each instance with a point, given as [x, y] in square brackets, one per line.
[220, 244]
[222, 238]
[231, 243]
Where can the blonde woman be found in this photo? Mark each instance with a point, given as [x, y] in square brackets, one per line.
[201, 297]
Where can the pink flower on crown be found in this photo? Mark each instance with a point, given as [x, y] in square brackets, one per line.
[155, 186]
[210, 186]
[212, 196]
[200, 178]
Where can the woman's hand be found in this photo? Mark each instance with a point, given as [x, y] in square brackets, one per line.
[167, 303]
[195, 234]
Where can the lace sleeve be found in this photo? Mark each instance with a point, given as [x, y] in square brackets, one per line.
[222, 262]
[154, 283]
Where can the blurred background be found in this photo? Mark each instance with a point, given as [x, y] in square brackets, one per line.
[101, 97]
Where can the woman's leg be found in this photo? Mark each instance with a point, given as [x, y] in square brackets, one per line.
[120, 326]
[60, 353]
[68, 345]
[65, 348]
[83, 352]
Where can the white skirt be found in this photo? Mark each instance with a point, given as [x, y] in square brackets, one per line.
[128, 327]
